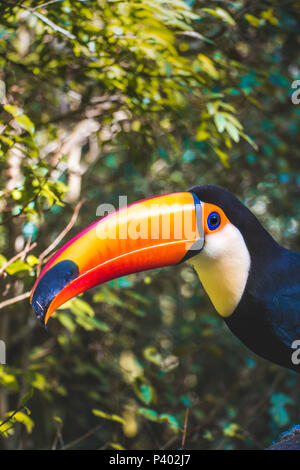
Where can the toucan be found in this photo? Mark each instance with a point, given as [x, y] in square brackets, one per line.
[252, 281]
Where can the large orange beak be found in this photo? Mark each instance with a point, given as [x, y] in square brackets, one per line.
[153, 233]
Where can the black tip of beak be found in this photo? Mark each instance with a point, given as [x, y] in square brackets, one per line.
[50, 284]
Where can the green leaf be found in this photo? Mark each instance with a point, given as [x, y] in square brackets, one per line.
[278, 410]
[79, 307]
[223, 156]
[12, 110]
[143, 390]
[220, 13]
[3, 260]
[233, 120]
[17, 266]
[27, 397]
[171, 420]
[25, 123]
[232, 430]
[95, 323]
[58, 419]
[220, 121]
[110, 417]
[66, 321]
[208, 66]
[269, 16]
[39, 381]
[149, 414]
[7, 379]
[232, 131]
[249, 140]
[21, 118]
[256, 22]
[23, 418]
[7, 140]
[138, 297]
[152, 355]
[32, 260]
[116, 446]
[152, 415]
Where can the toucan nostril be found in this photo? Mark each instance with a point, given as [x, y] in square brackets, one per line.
[52, 282]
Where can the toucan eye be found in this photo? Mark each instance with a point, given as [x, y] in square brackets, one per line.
[213, 221]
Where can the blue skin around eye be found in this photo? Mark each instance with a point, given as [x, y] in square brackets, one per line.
[213, 227]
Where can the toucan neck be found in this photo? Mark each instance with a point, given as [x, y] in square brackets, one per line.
[232, 262]
[223, 268]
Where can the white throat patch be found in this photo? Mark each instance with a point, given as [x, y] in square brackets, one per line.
[223, 267]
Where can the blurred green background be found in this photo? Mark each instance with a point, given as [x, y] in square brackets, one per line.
[140, 98]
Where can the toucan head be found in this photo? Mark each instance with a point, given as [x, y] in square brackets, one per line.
[204, 226]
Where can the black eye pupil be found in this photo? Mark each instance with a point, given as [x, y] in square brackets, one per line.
[214, 220]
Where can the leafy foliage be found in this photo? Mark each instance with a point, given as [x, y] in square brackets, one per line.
[101, 98]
